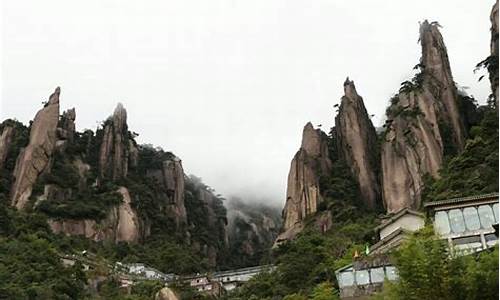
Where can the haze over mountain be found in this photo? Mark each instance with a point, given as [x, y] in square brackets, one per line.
[226, 86]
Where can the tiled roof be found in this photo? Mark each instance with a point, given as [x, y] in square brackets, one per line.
[461, 199]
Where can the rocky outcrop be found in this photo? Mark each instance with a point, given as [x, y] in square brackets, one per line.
[166, 294]
[5, 140]
[171, 177]
[303, 191]
[438, 81]
[493, 69]
[423, 123]
[66, 128]
[121, 225]
[357, 144]
[252, 230]
[114, 151]
[34, 159]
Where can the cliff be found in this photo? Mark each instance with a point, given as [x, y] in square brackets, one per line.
[493, 68]
[424, 124]
[120, 225]
[115, 147]
[303, 188]
[356, 141]
[252, 229]
[6, 136]
[35, 158]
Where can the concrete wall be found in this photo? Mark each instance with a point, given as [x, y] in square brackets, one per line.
[409, 222]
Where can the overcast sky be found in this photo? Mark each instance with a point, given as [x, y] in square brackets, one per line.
[226, 85]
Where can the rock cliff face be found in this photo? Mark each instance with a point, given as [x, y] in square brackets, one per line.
[423, 122]
[5, 140]
[357, 144]
[494, 51]
[114, 151]
[252, 230]
[34, 159]
[172, 178]
[303, 192]
[121, 224]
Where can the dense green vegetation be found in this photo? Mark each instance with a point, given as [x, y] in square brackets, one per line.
[475, 170]
[428, 270]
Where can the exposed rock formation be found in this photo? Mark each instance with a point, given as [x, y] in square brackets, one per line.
[252, 230]
[34, 159]
[5, 140]
[303, 192]
[171, 176]
[438, 81]
[166, 294]
[121, 225]
[66, 128]
[423, 121]
[357, 144]
[114, 152]
[494, 51]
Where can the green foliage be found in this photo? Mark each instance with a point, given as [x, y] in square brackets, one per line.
[475, 170]
[324, 291]
[427, 270]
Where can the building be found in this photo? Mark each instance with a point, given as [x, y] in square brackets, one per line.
[366, 275]
[395, 228]
[144, 272]
[232, 278]
[203, 284]
[467, 223]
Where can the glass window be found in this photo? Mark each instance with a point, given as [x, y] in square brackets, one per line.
[456, 220]
[377, 275]
[495, 211]
[471, 218]
[391, 273]
[491, 239]
[362, 277]
[486, 216]
[441, 222]
[346, 278]
[468, 244]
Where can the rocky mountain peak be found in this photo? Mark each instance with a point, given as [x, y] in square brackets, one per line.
[115, 146]
[303, 191]
[34, 159]
[494, 51]
[356, 140]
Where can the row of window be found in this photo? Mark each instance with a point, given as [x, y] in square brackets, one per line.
[352, 277]
[467, 219]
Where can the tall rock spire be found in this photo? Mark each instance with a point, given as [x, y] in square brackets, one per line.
[114, 151]
[356, 140]
[424, 124]
[303, 190]
[34, 159]
[438, 80]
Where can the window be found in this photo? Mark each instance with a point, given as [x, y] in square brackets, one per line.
[346, 278]
[456, 220]
[470, 243]
[495, 211]
[471, 218]
[362, 277]
[486, 216]
[491, 239]
[441, 222]
[391, 273]
[377, 275]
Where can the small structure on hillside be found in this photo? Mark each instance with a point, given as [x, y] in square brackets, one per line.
[467, 223]
[203, 284]
[144, 272]
[232, 278]
[366, 275]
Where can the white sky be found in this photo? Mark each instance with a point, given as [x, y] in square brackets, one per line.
[226, 85]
